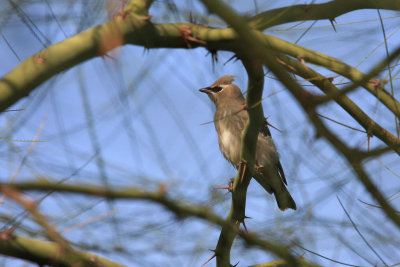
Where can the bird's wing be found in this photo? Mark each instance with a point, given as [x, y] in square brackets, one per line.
[266, 132]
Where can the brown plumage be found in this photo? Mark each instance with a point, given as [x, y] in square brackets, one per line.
[229, 120]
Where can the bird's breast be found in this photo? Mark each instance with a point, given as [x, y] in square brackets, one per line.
[229, 144]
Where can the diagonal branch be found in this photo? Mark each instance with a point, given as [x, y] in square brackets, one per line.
[335, 65]
[329, 10]
[346, 103]
[46, 253]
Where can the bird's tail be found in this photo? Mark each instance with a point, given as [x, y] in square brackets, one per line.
[273, 183]
[284, 199]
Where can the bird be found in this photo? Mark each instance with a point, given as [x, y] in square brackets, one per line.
[230, 119]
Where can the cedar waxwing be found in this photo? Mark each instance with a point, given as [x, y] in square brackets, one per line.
[230, 119]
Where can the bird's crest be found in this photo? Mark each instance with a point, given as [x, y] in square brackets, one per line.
[224, 80]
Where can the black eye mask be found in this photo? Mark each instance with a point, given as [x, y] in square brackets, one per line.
[215, 88]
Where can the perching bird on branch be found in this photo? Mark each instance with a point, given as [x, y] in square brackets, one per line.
[230, 119]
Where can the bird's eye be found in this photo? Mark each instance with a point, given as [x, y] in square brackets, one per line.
[215, 88]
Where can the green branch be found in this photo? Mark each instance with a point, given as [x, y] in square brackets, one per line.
[334, 65]
[99, 40]
[329, 10]
[46, 253]
[346, 103]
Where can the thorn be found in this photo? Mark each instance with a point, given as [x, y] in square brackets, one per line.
[247, 217]
[376, 84]
[303, 61]
[145, 50]
[7, 234]
[229, 187]
[214, 56]
[245, 228]
[236, 264]
[39, 58]
[191, 19]
[369, 136]
[186, 33]
[333, 25]
[236, 57]
[122, 15]
[162, 188]
[224, 187]
[269, 124]
[207, 261]
[221, 187]
[285, 64]
[110, 57]
[244, 170]
[146, 18]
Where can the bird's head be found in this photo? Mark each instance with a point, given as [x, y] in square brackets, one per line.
[223, 91]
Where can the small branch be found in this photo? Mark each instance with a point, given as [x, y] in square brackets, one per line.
[46, 253]
[360, 234]
[31, 207]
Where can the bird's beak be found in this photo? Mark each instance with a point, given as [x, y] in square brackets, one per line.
[205, 90]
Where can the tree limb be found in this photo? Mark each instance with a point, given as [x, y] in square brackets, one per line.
[329, 10]
[46, 253]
